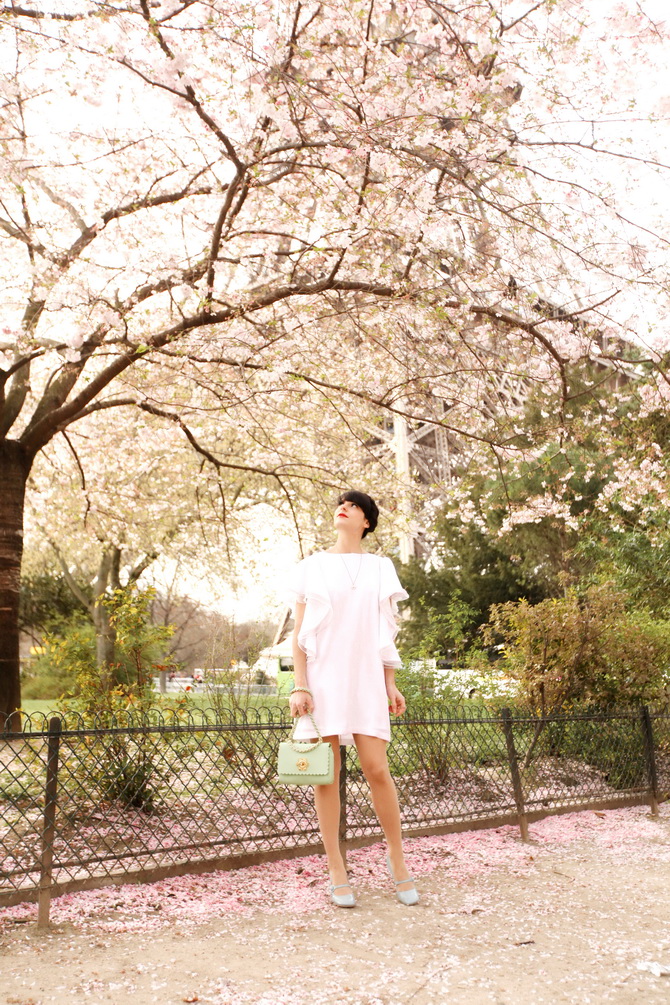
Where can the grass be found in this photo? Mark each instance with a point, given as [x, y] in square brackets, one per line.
[43, 705]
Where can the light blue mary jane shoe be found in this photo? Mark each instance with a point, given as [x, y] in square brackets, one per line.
[406, 897]
[342, 899]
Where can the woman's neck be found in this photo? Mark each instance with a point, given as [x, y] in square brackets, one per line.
[346, 544]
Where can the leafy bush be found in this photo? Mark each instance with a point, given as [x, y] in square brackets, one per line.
[421, 680]
[444, 630]
[581, 649]
[67, 651]
[102, 697]
[613, 745]
[429, 747]
[66, 667]
[101, 692]
[424, 685]
[232, 700]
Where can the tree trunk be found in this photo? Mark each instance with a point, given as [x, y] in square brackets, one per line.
[105, 636]
[14, 468]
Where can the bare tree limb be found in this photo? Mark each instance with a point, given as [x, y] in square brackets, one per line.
[68, 577]
[42, 427]
[216, 462]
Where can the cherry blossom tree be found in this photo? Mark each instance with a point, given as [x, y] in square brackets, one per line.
[591, 506]
[160, 511]
[319, 211]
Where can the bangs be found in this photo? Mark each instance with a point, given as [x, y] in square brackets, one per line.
[359, 498]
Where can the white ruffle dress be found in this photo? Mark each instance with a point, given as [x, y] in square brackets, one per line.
[347, 634]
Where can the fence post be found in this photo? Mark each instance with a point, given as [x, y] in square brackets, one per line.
[49, 824]
[516, 776]
[650, 755]
[342, 831]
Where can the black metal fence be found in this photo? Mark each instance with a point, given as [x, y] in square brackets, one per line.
[140, 799]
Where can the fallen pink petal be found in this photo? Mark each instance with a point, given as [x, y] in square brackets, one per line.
[569, 916]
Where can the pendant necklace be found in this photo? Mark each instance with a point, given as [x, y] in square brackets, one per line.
[352, 581]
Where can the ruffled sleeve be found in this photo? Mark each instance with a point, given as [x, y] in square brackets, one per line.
[306, 584]
[390, 593]
[296, 585]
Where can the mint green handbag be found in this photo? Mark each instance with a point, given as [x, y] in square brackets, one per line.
[305, 763]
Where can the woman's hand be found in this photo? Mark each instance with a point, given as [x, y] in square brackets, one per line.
[300, 703]
[397, 703]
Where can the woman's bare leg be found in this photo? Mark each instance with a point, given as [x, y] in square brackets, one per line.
[327, 800]
[372, 755]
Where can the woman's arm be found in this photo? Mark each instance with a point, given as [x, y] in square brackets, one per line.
[301, 701]
[397, 704]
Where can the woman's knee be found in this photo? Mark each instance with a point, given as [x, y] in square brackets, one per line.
[373, 759]
[376, 771]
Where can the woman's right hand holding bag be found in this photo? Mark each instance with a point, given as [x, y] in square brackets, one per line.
[300, 701]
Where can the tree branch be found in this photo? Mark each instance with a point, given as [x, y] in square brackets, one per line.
[56, 393]
[216, 462]
[69, 578]
[141, 567]
[90, 233]
[530, 327]
[40, 431]
[17, 11]
[216, 237]
[189, 93]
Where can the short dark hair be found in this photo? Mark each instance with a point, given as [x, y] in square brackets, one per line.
[366, 503]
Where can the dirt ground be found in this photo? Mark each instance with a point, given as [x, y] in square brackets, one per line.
[579, 914]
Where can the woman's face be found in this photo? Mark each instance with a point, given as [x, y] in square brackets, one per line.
[351, 517]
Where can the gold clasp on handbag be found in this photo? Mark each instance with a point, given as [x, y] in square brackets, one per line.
[302, 764]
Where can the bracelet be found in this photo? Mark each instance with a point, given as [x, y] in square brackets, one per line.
[305, 689]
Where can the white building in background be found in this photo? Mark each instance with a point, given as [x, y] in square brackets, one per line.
[275, 664]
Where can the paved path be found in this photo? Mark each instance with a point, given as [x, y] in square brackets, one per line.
[569, 917]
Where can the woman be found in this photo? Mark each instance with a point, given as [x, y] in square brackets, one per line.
[345, 660]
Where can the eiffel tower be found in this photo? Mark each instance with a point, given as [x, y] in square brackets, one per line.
[427, 453]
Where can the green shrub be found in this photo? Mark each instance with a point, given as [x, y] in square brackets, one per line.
[614, 746]
[66, 652]
[581, 650]
[121, 766]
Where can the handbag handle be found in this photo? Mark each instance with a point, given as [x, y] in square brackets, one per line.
[304, 748]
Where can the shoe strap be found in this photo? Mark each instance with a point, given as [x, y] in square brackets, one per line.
[340, 886]
[399, 882]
